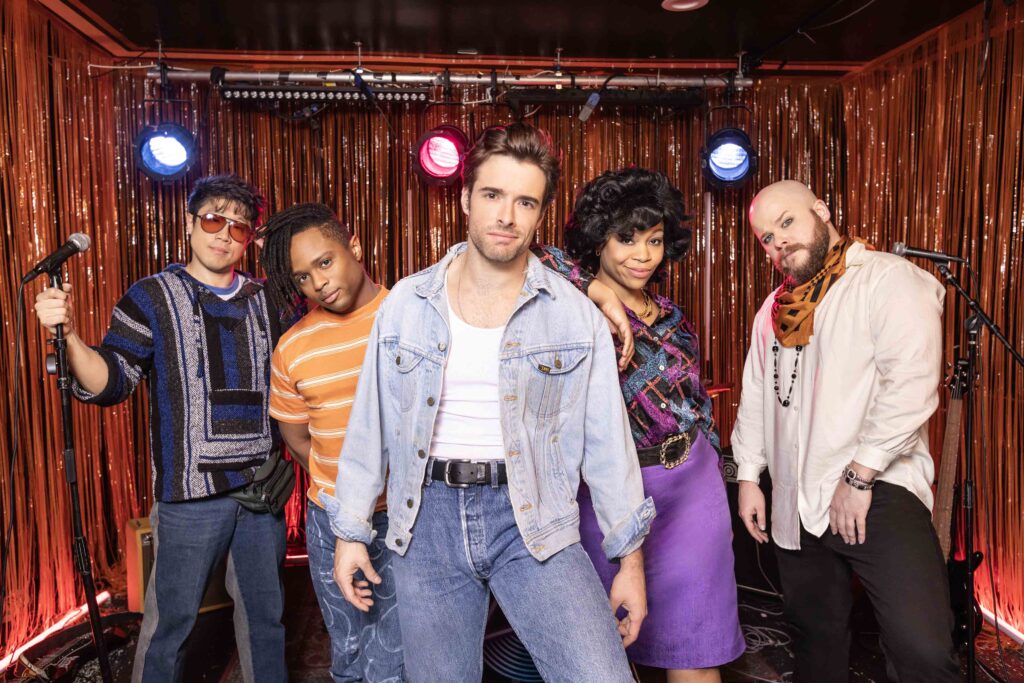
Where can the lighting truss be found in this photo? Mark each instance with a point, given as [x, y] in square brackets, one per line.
[273, 93]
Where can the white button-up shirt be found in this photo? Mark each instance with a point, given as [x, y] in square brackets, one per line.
[866, 386]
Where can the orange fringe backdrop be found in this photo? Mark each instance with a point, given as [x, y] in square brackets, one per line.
[909, 148]
[934, 156]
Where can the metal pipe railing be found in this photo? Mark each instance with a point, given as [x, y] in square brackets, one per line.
[443, 78]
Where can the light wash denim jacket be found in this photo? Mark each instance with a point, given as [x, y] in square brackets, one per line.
[561, 413]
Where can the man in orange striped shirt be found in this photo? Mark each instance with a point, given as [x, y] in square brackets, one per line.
[315, 369]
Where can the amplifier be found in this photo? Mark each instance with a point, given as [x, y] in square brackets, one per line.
[139, 561]
[756, 568]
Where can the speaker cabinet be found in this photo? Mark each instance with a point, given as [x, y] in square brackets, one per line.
[756, 568]
[139, 561]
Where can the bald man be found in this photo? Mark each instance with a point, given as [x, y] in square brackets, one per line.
[840, 380]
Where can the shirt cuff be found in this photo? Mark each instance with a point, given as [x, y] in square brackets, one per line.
[628, 534]
[345, 525]
[871, 456]
[746, 471]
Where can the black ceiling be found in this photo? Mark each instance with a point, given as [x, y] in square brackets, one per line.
[610, 29]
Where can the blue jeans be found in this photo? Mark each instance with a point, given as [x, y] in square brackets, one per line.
[364, 646]
[189, 539]
[466, 544]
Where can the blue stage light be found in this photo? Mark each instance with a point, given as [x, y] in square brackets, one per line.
[165, 151]
[728, 159]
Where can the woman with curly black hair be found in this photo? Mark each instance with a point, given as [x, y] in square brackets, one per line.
[624, 228]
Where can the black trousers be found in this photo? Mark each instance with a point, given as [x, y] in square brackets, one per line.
[903, 571]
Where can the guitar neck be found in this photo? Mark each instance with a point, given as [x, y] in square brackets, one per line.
[942, 512]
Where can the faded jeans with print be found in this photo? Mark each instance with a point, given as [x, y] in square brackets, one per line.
[365, 646]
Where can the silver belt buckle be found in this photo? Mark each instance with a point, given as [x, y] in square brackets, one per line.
[448, 469]
[670, 464]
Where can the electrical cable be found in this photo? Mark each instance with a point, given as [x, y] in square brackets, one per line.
[842, 19]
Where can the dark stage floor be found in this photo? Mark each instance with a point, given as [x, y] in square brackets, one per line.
[768, 657]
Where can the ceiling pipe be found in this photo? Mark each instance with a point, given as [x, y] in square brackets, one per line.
[347, 77]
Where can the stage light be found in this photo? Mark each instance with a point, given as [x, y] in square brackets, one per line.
[439, 155]
[728, 159]
[165, 151]
[286, 91]
[682, 5]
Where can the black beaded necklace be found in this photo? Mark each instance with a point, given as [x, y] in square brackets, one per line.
[784, 402]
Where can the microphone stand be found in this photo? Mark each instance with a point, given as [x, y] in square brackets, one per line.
[57, 364]
[972, 324]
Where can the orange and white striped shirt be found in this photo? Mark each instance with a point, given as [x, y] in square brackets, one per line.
[314, 374]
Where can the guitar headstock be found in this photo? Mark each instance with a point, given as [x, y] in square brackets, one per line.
[958, 378]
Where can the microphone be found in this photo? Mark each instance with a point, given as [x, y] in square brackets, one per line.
[364, 87]
[590, 106]
[76, 243]
[901, 249]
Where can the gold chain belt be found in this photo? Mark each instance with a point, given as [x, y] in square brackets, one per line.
[670, 453]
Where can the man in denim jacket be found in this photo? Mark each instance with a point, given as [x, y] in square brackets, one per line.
[488, 388]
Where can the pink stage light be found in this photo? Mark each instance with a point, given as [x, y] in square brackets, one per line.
[61, 623]
[439, 155]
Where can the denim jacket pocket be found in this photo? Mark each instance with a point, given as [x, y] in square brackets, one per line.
[402, 364]
[555, 378]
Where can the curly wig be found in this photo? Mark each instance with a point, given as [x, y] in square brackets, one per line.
[620, 203]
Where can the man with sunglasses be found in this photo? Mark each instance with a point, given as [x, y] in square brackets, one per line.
[202, 334]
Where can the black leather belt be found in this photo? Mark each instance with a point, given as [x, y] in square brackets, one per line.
[461, 474]
[672, 452]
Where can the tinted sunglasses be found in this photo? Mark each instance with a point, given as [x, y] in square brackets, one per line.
[213, 223]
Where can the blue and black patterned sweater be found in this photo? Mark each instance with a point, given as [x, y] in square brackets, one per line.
[208, 365]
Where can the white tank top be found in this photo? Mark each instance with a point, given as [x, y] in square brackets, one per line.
[468, 424]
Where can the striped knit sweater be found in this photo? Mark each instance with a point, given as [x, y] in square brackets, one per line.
[208, 365]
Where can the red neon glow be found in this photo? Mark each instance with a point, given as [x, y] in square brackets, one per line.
[296, 559]
[439, 156]
[61, 623]
[1004, 625]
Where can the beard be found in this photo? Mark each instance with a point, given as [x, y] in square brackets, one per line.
[495, 253]
[817, 250]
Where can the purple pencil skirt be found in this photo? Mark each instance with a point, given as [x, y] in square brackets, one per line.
[692, 618]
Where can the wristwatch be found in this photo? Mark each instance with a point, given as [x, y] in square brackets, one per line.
[851, 477]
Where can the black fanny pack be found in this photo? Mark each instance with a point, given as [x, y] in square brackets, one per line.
[271, 486]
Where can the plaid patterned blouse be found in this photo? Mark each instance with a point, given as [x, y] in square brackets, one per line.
[661, 385]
